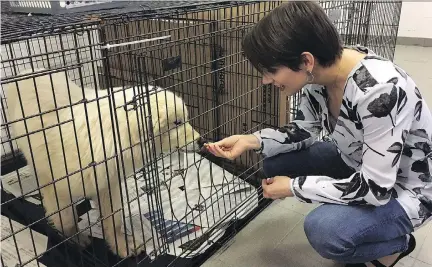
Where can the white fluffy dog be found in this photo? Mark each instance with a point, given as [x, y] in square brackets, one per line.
[83, 151]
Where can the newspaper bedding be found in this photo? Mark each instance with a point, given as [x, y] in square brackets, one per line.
[13, 255]
[193, 195]
[26, 184]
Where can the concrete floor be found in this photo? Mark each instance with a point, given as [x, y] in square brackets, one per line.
[276, 236]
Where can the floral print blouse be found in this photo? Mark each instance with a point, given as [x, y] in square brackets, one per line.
[383, 132]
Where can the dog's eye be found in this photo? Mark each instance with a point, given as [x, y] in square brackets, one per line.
[177, 122]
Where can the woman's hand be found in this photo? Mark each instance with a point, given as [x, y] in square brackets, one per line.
[277, 187]
[233, 146]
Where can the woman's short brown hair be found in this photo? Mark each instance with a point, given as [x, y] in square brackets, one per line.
[286, 32]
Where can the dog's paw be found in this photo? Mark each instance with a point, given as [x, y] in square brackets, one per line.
[128, 248]
[82, 240]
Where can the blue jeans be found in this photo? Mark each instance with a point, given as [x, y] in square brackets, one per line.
[348, 234]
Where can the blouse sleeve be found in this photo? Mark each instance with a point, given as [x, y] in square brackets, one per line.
[386, 113]
[298, 134]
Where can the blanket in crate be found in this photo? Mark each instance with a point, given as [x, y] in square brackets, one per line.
[181, 211]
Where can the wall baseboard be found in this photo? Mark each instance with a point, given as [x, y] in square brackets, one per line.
[418, 41]
[375, 40]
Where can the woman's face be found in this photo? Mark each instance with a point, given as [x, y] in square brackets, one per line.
[291, 81]
[286, 79]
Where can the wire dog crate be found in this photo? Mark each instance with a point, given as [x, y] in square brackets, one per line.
[117, 157]
[59, 7]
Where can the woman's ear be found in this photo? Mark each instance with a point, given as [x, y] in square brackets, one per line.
[308, 61]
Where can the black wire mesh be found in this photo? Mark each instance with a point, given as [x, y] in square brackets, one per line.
[177, 208]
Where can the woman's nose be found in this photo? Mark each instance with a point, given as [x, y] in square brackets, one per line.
[266, 80]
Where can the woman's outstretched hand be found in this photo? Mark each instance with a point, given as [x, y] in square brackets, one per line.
[232, 147]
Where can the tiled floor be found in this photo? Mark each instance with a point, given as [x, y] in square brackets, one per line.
[276, 236]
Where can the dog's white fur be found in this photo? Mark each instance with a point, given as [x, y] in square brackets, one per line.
[56, 152]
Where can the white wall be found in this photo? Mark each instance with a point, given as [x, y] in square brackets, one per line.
[416, 20]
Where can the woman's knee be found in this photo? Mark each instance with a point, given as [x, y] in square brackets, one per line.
[328, 235]
[286, 164]
[270, 167]
[321, 158]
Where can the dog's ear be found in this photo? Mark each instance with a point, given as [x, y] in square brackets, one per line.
[159, 120]
[159, 112]
[155, 125]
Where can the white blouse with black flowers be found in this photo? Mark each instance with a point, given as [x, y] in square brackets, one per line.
[384, 132]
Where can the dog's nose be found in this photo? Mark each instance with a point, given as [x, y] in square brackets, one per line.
[201, 141]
